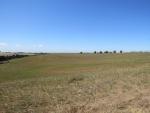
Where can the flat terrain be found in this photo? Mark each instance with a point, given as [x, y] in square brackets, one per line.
[76, 83]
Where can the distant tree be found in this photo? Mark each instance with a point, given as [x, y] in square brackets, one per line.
[81, 52]
[101, 52]
[106, 52]
[114, 51]
[95, 52]
[121, 51]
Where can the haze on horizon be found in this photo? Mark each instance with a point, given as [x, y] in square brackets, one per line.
[74, 25]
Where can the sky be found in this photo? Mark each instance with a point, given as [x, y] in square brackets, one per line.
[74, 25]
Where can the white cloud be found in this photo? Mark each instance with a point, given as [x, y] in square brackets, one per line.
[2, 44]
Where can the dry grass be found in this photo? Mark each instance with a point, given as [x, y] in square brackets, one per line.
[72, 83]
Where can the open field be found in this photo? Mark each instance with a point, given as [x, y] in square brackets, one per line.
[75, 83]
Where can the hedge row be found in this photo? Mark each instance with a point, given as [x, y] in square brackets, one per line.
[6, 58]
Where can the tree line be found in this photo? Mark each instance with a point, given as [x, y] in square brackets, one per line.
[105, 52]
[7, 58]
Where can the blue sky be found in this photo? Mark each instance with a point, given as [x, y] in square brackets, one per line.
[74, 25]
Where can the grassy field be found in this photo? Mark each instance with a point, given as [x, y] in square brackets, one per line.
[75, 83]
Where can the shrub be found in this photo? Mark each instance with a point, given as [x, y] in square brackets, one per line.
[121, 51]
[101, 52]
[106, 52]
[81, 52]
[114, 51]
[3, 58]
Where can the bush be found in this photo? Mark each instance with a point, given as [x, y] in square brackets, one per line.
[3, 58]
[121, 51]
[81, 52]
[114, 51]
[106, 52]
[101, 52]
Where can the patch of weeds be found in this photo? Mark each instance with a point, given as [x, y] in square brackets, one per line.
[76, 79]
